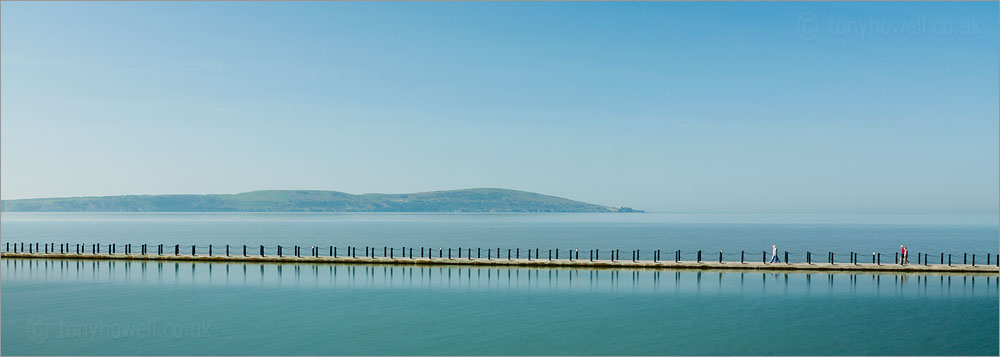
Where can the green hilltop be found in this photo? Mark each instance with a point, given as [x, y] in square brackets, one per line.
[468, 200]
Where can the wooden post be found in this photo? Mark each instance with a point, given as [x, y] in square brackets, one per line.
[677, 258]
[517, 254]
[177, 249]
[244, 250]
[720, 257]
[459, 253]
[192, 250]
[479, 253]
[591, 255]
[699, 256]
[973, 259]
[786, 257]
[808, 257]
[879, 261]
[557, 253]
[449, 253]
[741, 256]
[965, 258]
[529, 254]
[949, 259]
[550, 254]
[508, 253]
[210, 250]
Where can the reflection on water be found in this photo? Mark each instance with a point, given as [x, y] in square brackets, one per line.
[95, 307]
[437, 277]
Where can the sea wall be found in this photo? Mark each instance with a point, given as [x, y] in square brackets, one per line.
[554, 263]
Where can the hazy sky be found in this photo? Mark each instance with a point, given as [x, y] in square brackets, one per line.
[819, 107]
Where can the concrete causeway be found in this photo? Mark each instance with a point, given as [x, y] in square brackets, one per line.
[554, 263]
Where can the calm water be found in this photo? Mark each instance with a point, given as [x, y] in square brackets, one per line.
[53, 307]
[841, 234]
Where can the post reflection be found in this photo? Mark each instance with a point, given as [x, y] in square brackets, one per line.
[318, 276]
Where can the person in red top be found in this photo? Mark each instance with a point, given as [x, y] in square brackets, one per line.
[902, 255]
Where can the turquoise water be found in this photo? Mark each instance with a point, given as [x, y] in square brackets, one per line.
[68, 307]
[60, 307]
[841, 234]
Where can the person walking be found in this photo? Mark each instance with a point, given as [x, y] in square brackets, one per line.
[774, 254]
[903, 255]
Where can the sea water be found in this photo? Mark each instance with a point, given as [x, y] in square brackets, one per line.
[94, 307]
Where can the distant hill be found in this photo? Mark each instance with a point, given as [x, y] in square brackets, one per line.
[469, 200]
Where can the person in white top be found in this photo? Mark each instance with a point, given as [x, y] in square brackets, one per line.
[774, 254]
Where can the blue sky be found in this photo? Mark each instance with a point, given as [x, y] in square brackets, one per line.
[731, 107]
